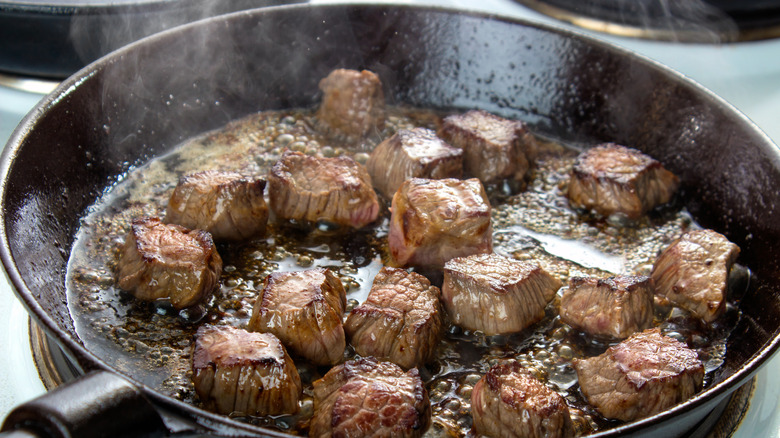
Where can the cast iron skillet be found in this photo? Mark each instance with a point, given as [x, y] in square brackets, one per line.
[145, 99]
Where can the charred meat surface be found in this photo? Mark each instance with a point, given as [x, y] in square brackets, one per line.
[433, 221]
[225, 204]
[165, 261]
[496, 294]
[615, 307]
[368, 398]
[610, 178]
[641, 376]
[494, 148]
[353, 103]
[401, 320]
[238, 372]
[412, 153]
[310, 189]
[510, 402]
[693, 272]
[304, 309]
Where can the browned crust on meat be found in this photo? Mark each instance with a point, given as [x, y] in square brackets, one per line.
[307, 320]
[235, 371]
[167, 261]
[611, 178]
[643, 375]
[614, 307]
[401, 320]
[455, 221]
[310, 189]
[368, 398]
[412, 153]
[353, 103]
[496, 294]
[692, 272]
[508, 401]
[226, 204]
[494, 147]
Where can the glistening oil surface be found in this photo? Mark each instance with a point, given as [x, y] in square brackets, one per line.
[153, 343]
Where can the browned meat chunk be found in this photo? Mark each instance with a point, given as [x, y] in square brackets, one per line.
[615, 179]
[304, 309]
[401, 320]
[367, 398]
[641, 376]
[160, 261]
[693, 272]
[615, 307]
[235, 371]
[496, 294]
[510, 402]
[225, 204]
[309, 189]
[433, 221]
[415, 153]
[494, 148]
[353, 103]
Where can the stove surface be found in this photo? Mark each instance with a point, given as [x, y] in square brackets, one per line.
[746, 75]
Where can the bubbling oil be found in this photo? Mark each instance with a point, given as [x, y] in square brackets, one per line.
[153, 343]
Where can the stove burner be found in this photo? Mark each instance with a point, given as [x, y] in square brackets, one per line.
[694, 21]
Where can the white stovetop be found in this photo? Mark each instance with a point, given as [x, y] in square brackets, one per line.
[747, 75]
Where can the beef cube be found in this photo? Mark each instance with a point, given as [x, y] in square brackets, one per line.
[496, 294]
[510, 402]
[308, 189]
[433, 221]
[641, 376]
[353, 103]
[368, 398]
[615, 307]
[693, 273]
[225, 204]
[414, 153]
[612, 179]
[304, 309]
[160, 261]
[242, 373]
[494, 148]
[401, 320]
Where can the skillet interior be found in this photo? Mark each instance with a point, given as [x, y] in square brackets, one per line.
[144, 100]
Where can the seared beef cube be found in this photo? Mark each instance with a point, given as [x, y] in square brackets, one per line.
[616, 307]
[309, 189]
[353, 103]
[510, 402]
[615, 179]
[401, 320]
[225, 204]
[235, 371]
[304, 309]
[161, 261]
[368, 398]
[693, 272]
[641, 376]
[433, 221]
[496, 294]
[415, 153]
[494, 148]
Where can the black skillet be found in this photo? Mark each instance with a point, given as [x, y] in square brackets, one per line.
[145, 99]
[55, 38]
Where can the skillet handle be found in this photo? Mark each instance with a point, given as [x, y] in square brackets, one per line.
[98, 404]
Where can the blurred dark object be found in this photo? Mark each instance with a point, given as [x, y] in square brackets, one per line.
[695, 21]
[52, 39]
